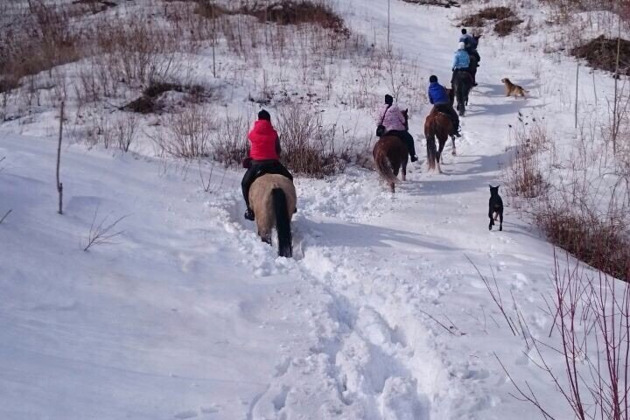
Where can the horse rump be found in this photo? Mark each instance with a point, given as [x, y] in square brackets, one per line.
[283, 222]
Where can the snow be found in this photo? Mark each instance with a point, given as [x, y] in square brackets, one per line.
[186, 314]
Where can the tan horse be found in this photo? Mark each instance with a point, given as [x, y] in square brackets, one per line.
[273, 200]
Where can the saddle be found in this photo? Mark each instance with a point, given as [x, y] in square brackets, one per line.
[395, 133]
[264, 167]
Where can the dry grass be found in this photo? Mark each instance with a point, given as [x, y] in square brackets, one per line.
[604, 245]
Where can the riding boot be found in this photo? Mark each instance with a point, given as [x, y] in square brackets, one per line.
[410, 146]
[247, 181]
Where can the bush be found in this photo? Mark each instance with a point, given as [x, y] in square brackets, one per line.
[230, 145]
[524, 177]
[307, 146]
[603, 245]
[186, 134]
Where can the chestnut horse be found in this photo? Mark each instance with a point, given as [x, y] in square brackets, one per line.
[273, 201]
[438, 124]
[390, 155]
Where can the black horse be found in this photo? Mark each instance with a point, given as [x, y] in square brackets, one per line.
[462, 83]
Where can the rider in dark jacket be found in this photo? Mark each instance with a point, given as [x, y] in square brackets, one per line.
[442, 103]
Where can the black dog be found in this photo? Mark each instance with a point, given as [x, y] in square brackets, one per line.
[495, 208]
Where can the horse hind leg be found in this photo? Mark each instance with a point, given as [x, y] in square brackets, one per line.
[454, 151]
[404, 171]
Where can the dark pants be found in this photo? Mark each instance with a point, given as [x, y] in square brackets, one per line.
[448, 110]
[466, 71]
[259, 168]
[407, 138]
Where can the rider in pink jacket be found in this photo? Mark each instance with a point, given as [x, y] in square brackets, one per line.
[396, 124]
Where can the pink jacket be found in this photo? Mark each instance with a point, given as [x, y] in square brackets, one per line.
[394, 119]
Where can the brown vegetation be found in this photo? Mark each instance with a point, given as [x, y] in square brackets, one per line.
[601, 53]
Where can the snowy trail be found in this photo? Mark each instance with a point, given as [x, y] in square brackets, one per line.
[390, 348]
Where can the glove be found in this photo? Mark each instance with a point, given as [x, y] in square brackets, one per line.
[247, 162]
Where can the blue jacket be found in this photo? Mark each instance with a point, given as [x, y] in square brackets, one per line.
[437, 94]
[461, 60]
[469, 40]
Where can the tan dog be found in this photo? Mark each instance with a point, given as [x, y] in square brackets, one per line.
[512, 89]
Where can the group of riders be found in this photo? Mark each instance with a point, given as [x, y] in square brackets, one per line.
[264, 153]
[465, 63]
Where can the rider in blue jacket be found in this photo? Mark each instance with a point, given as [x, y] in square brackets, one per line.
[471, 48]
[442, 103]
[461, 61]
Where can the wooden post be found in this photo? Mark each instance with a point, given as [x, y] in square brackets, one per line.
[214, 41]
[388, 24]
[577, 82]
[615, 124]
[59, 184]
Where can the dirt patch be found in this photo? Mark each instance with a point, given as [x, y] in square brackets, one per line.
[506, 26]
[150, 102]
[96, 6]
[601, 53]
[143, 105]
[441, 3]
[504, 17]
[210, 10]
[291, 12]
[490, 13]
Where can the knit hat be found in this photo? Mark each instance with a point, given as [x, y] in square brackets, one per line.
[433, 79]
[462, 46]
[389, 99]
[264, 115]
[463, 31]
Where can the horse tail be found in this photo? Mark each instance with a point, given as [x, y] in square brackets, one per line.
[383, 166]
[430, 128]
[283, 222]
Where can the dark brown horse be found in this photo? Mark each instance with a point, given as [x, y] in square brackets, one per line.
[390, 155]
[438, 124]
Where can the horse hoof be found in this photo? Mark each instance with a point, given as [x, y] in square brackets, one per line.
[454, 153]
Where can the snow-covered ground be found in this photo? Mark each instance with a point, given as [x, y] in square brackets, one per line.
[380, 315]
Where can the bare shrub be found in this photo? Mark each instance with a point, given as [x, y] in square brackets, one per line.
[308, 146]
[604, 245]
[187, 133]
[585, 355]
[524, 176]
[103, 232]
[138, 50]
[41, 40]
[126, 131]
[230, 144]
